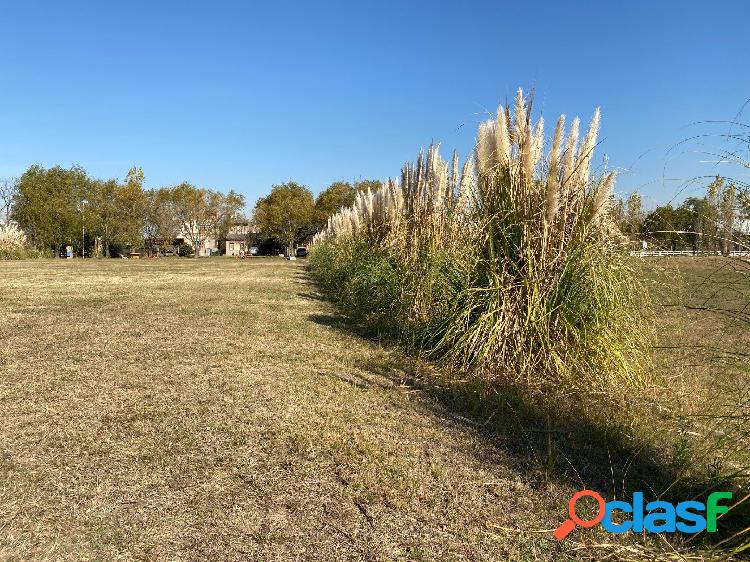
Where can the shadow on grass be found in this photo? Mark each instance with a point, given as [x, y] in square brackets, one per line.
[597, 452]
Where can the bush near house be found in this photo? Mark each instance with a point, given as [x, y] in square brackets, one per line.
[184, 249]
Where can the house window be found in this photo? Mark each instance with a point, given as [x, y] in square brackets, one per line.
[231, 246]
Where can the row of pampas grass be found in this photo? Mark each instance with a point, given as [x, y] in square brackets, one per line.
[507, 267]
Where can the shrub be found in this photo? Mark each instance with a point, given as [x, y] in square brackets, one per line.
[184, 249]
[509, 267]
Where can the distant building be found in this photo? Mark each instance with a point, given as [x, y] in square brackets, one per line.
[206, 247]
[239, 239]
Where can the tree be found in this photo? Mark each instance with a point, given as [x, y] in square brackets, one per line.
[118, 211]
[103, 209]
[727, 216]
[695, 210]
[131, 204]
[201, 212]
[339, 194]
[661, 224]
[47, 205]
[712, 213]
[162, 224]
[634, 213]
[191, 208]
[230, 206]
[8, 190]
[364, 185]
[286, 214]
[330, 200]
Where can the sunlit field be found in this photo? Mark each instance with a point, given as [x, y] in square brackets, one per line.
[222, 409]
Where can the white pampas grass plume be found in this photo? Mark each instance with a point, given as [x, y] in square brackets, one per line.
[502, 138]
[466, 185]
[454, 172]
[521, 119]
[552, 198]
[485, 147]
[11, 237]
[532, 151]
[570, 154]
[587, 149]
[603, 197]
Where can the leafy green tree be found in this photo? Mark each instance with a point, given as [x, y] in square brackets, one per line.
[201, 212]
[712, 213]
[339, 194]
[330, 200]
[162, 225]
[727, 216]
[230, 214]
[118, 211]
[191, 206]
[286, 214]
[103, 211]
[364, 185]
[695, 210]
[131, 203]
[673, 227]
[634, 213]
[48, 206]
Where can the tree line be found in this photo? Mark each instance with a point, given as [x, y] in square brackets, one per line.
[716, 222]
[57, 207]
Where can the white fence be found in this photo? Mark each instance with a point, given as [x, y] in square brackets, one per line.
[658, 253]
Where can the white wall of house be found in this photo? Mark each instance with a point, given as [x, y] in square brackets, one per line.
[205, 247]
[235, 247]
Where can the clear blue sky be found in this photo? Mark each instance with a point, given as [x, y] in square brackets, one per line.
[243, 95]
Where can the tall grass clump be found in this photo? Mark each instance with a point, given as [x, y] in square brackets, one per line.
[508, 268]
[13, 244]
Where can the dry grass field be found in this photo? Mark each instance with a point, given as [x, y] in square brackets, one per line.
[211, 410]
[221, 410]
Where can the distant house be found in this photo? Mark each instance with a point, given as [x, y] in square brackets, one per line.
[239, 238]
[206, 247]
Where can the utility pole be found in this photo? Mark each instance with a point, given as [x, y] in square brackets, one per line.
[83, 228]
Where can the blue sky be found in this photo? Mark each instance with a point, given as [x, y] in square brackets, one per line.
[243, 95]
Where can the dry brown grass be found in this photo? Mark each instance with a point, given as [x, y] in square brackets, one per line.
[220, 410]
[194, 410]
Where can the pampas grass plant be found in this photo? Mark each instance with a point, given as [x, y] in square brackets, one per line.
[13, 243]
[508, 267]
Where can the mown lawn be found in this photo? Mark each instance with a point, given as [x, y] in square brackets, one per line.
[220, 409]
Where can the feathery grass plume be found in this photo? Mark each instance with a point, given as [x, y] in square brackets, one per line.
[538, 144]
[603, 197]
[454, 174]
[521, 119]
[553, 172]
[502, 138]
[14, 245]
[587, 148]
[11, 238]
[466, 187]
[571, 148]
[510, 272]
[485, 146]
